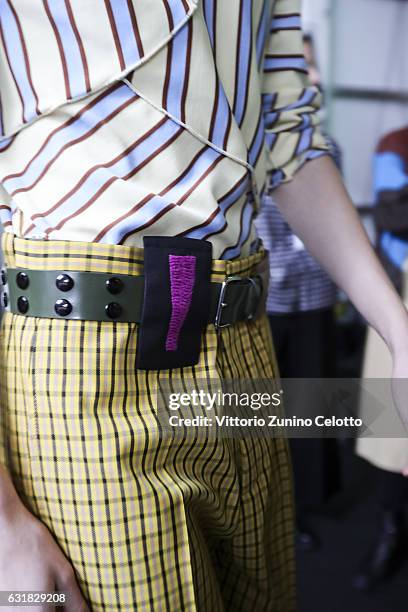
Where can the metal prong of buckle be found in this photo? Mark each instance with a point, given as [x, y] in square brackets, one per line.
[221, 300]
[254, 285]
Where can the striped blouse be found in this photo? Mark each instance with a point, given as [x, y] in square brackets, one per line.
[125, 118]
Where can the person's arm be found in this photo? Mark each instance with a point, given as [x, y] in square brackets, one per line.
[316, 204]
[30, 559]
[310, 193]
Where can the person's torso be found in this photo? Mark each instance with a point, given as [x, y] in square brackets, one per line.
[175, 148]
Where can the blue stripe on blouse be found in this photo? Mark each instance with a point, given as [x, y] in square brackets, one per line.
[72, 53]
[124, 25]
[16, 56]
[286, 23]
[285, 63]
[79, 128]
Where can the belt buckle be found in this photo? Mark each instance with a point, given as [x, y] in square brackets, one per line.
[222, 303]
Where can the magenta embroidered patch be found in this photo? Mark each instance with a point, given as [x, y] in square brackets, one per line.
[182, 279]
[176, 302]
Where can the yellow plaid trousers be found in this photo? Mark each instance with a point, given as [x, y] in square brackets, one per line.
[149, 522]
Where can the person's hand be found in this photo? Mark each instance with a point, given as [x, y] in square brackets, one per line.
[30, 559]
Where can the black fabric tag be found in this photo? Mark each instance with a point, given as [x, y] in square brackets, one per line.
[176, 302]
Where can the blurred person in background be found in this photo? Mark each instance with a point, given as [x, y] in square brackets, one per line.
[389, 547]
[300, 308]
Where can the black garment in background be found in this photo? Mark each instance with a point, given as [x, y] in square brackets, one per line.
[305, 348]
[393, 491]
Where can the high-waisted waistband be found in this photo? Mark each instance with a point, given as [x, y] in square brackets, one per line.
[172, 288]
[97, 257]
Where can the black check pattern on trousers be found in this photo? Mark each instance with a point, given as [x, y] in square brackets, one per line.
[149, 522]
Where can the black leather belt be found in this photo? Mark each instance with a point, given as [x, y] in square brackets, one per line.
[115, 297]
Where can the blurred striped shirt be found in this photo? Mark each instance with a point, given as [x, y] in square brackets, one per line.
[298, 283]
[125, 118]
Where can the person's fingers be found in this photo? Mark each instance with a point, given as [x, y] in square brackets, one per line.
[405, 472]
[66, 583]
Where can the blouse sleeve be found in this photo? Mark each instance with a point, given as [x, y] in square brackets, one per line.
[290, 102]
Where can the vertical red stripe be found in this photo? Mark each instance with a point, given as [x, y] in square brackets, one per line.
[80, 44]
[135, 27]
[60, 49]
[169, 15]
[168, 73]
[12, 73]
[214, 28]
[248, 77]
[185, 4]
[238, 54]
[26, 60]
[215, 107]
[187, 73]
[115, 34]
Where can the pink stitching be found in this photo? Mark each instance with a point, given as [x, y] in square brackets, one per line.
[182, 279]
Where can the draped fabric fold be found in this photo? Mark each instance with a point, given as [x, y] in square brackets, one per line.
[55, 51]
